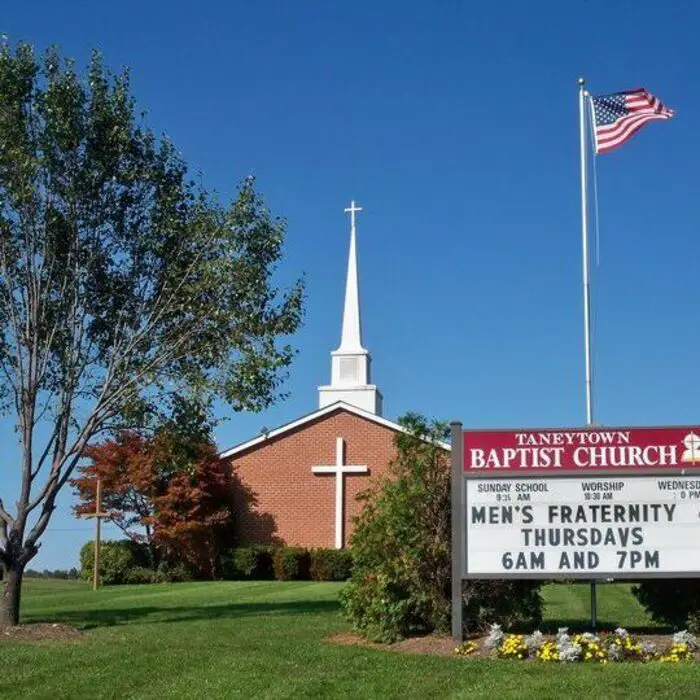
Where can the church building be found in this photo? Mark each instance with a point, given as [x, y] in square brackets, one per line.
[301, 480]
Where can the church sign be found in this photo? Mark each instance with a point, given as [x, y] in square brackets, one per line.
[575, 504]
[579, 451]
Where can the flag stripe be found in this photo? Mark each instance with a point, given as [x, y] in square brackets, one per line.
[625, 133]
[624, 124]
[610, 143]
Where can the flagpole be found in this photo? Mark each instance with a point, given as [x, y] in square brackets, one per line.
[584, 238]
[586, 287]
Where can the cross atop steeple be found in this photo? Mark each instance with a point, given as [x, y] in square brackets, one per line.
[351, 210]
[350, 363]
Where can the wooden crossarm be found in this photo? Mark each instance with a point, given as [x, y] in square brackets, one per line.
[97, 515]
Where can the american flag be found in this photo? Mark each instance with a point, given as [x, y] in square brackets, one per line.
[619, 116]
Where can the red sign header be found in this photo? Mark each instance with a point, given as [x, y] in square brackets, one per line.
[580, 450]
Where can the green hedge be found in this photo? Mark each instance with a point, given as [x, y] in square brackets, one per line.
[163, 574]
[141, 574]
[175, 573]
[117, 559]
[253, 562]
[331, 564]
[124, 561]
[291, 564]
[264, 562]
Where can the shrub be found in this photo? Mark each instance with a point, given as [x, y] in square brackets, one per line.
[141, 574]
[694, 622]
[401, 580]
[253, 562]
[117, 559]
[670, 601]
[379, 609]
[511, 602]
[291, 564]
[175, 573]
[227, 569]
[331, 564]
[247, 561]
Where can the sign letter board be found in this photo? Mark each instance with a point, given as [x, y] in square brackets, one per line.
[581, 503]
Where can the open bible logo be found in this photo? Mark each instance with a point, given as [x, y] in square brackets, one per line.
[691, 453]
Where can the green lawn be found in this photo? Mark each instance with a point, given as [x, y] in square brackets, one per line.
[260, 639]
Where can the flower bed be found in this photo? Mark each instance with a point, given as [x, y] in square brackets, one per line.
[616, 647]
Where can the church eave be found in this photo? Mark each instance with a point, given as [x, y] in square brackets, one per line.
[319, 413]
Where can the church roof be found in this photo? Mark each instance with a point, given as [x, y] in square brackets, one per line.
[319, 413]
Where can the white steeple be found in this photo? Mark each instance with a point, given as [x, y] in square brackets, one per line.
[351, 338]
[350, 363]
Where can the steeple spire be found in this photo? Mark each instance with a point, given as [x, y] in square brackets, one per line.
[351, 338]
[350, 363]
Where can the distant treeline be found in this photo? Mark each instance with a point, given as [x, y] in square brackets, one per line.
[65, 574]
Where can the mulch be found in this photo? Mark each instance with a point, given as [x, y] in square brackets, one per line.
[39, 631]
[430, 644]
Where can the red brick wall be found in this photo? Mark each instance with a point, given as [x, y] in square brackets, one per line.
[287, 502]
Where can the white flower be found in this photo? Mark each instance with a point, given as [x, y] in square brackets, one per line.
[685, 637]
[495, 637]
[615, 652]
[568, 651]
[648, 647]
[534, 641]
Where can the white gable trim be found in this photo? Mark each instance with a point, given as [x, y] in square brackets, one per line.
[315, 415]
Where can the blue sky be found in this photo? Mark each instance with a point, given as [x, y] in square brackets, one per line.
[455, 126]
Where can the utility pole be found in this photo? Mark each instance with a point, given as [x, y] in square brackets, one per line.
[98, 515]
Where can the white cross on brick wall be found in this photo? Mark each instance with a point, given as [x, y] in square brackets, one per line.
[340, 470]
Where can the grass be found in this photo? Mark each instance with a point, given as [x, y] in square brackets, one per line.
[570, 606]
[267, 640]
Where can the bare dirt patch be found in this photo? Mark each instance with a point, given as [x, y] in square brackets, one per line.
[39, 631]
[430, 644]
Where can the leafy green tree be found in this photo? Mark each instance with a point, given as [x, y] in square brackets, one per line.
[401, 544]
[401, 581]
[123, 284]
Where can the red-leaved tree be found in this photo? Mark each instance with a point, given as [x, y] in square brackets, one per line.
[173, 496]
[130, 482]
[192, 518]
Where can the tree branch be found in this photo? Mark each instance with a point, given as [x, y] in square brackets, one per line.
[5, 517]
[47, 449]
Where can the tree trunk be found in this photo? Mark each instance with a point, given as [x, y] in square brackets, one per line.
[11, 594]
[152, 554]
